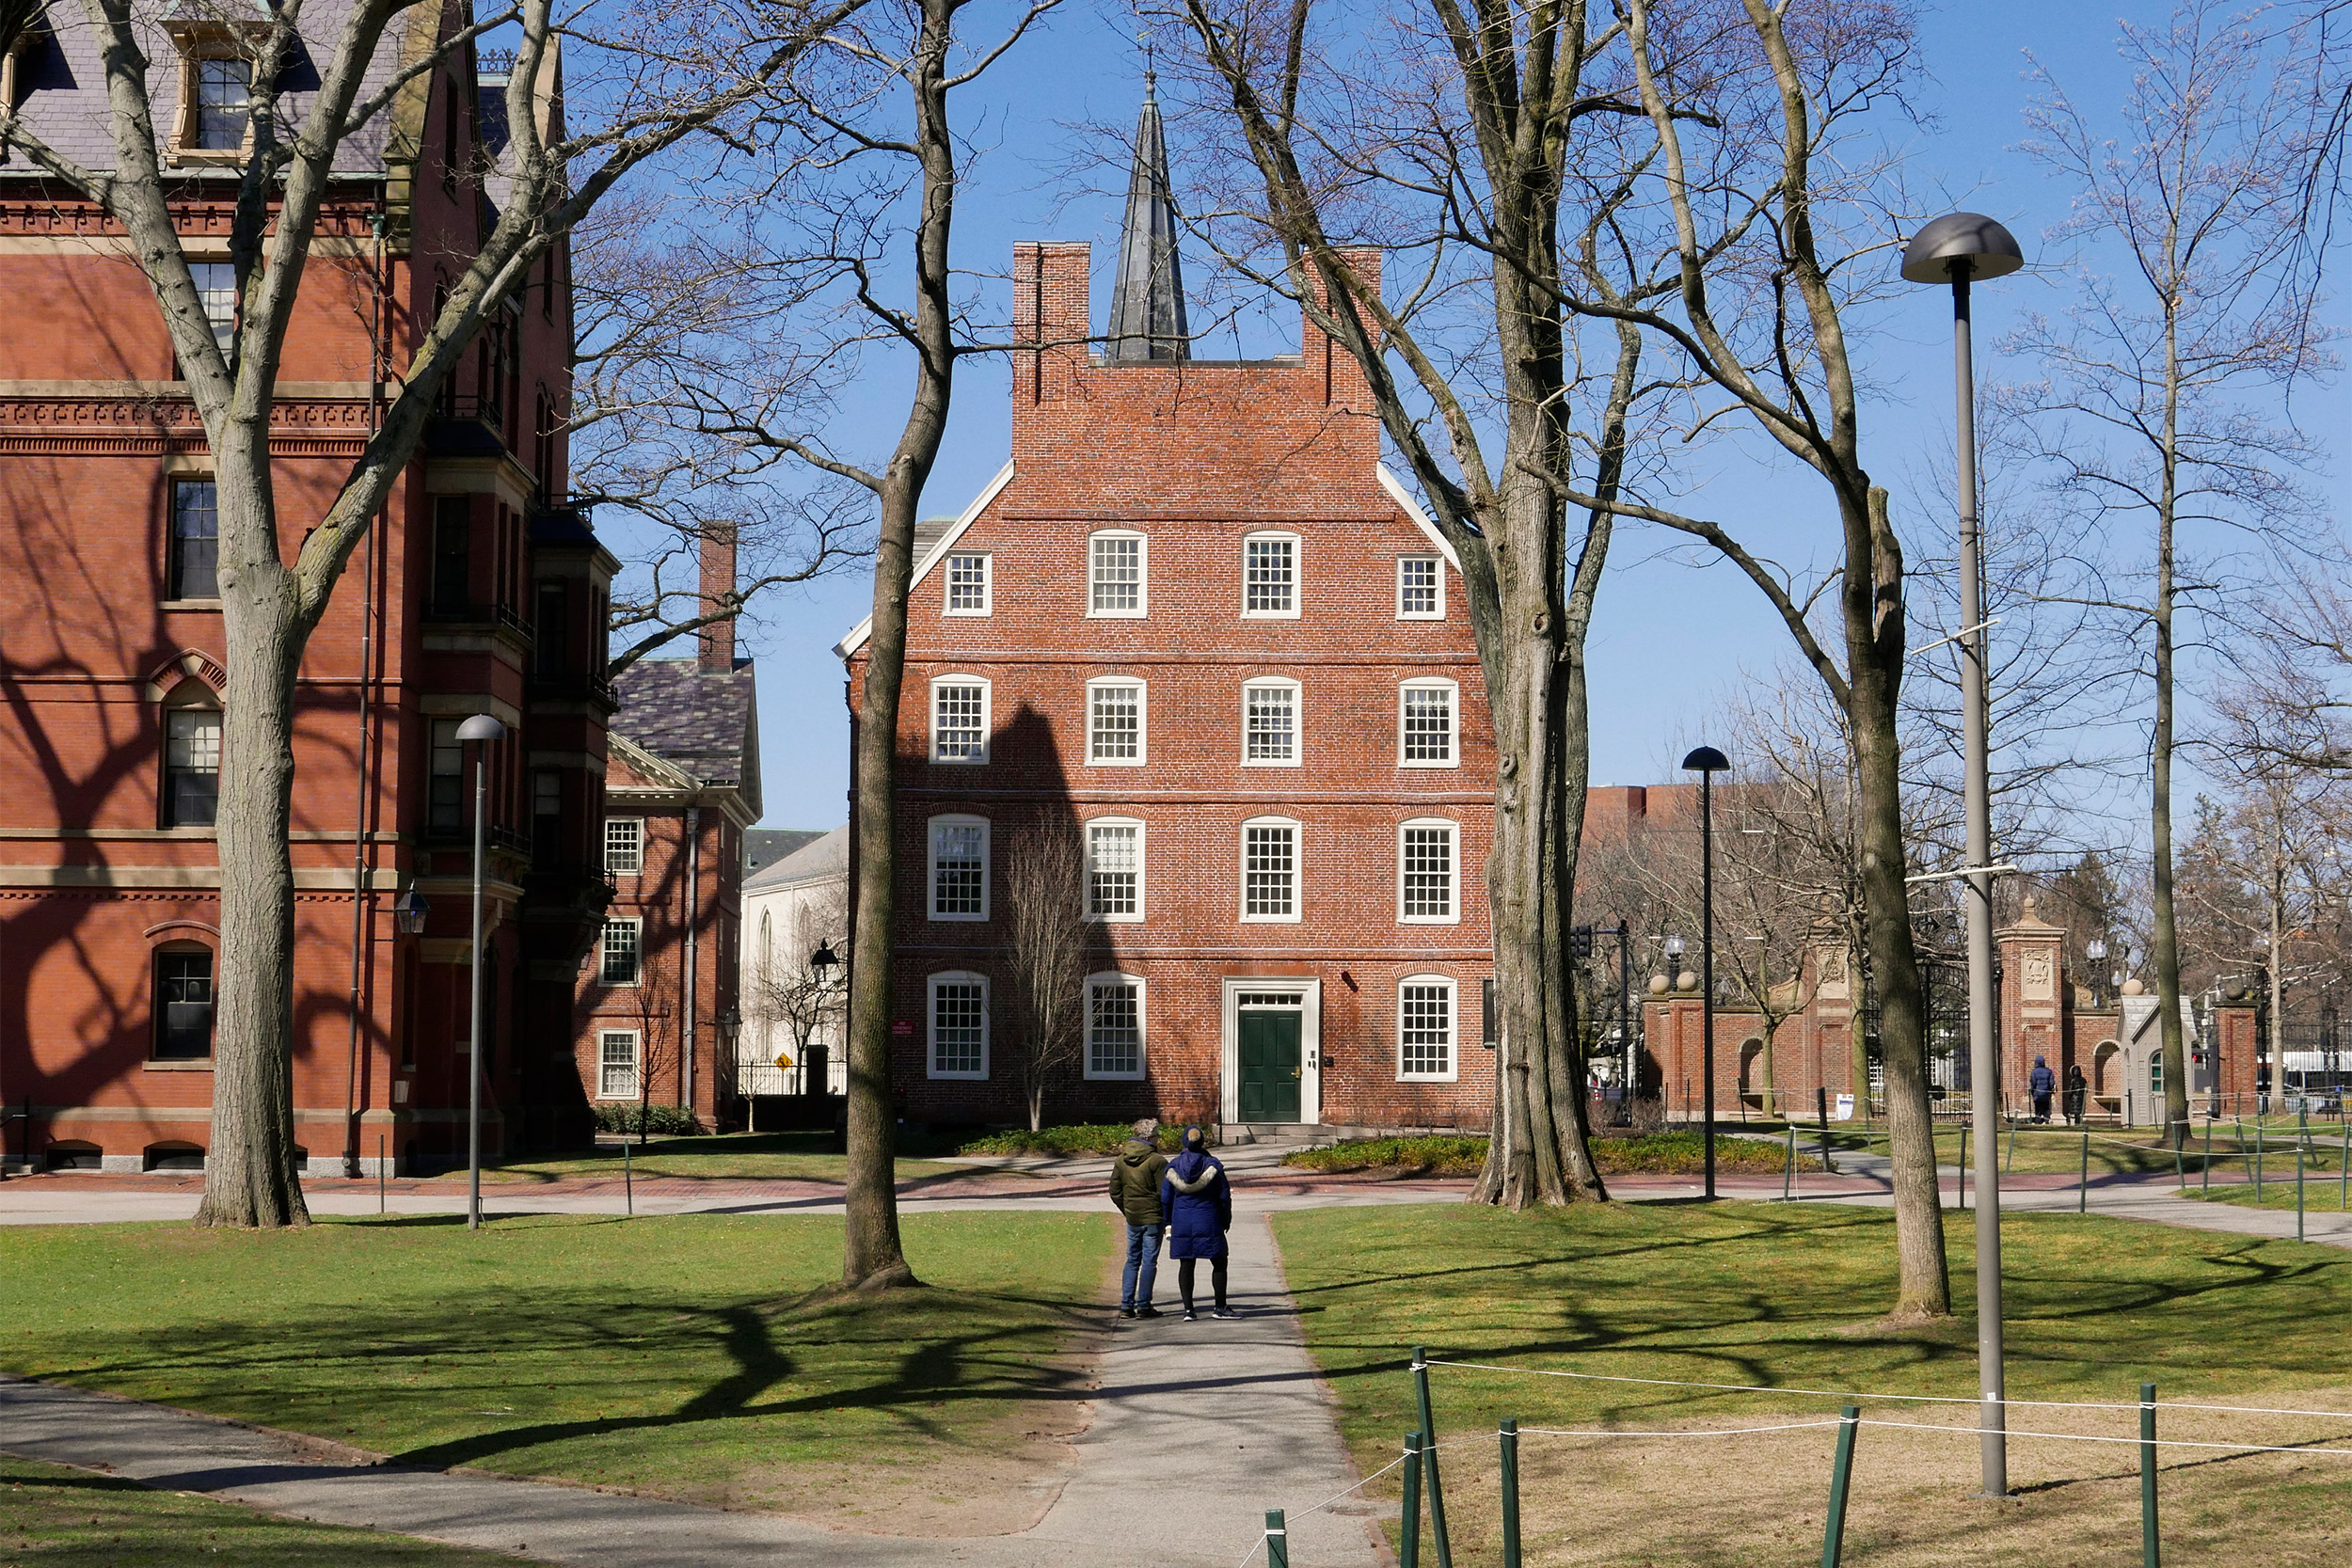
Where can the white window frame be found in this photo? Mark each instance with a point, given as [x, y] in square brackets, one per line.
[1453, 872]
[988, 719]
[1298, 574]
[1298, 871]
[1404, 614]
[930, 1022]
[1143, 720]
[930, 863]
[1453, 1025]
[1143, 1031]
[1142, 865]
[636, 822]
[636, 1063]
[635, 923]
[1454, 719]
[1298, 721]
[1143, 576]
[988, 582]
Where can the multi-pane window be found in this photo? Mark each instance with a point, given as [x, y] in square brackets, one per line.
[1113, 721]
[1419, 587]
[445, 799]
[1426, 871]
[623, 952]
[1425, 735]
[959, 721]
[453, 555]
[216, 290]
[1270, 575]
[1425, 1027]
[623, 845]
[1114, 870]
[547, 819]
[616, 1064]
[195, 539]
[183, 1004]
[551, 630]
[191, 767]
[959, 1026]
[224, 102]
[1269, 723]
[1114, 1027]
[967, 583]
[959, 869]
[1269, 870]
[1115, 584]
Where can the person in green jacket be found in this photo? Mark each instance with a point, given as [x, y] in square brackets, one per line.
[1135, 1193]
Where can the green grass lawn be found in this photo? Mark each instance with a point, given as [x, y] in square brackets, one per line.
[1775, 1295]
[54, 1517]
[1676, 1153]
[682, 1355]
[731, 1156]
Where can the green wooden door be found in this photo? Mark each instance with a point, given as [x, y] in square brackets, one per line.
[1271, 1061]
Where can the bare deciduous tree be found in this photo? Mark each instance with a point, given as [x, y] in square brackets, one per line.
[1043, 918]
[787, 989]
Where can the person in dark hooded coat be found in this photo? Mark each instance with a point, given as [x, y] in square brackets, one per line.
[1199, 1203]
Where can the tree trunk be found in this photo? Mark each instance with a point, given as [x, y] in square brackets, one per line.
[1874, 648]
[249, 1178]
[2164, 938]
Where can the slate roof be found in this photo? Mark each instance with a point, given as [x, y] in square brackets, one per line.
[826, 856]
[704, 722]
[764, 847]
[63, 89]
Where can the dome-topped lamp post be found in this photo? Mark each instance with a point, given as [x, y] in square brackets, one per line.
[1958, 248]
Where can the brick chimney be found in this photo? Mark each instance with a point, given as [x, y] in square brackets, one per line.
[718, 562]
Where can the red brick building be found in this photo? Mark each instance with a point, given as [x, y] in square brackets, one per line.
[1194, 612]
[478, 592]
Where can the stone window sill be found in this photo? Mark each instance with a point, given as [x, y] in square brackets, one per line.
[201, 607]
[195, 1065]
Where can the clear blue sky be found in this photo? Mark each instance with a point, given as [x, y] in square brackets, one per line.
[1669, 640]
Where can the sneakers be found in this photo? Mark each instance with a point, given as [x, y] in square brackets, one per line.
[1223, 1312]
[1126, 1311]
[1190, 1316]
[1149, 1311]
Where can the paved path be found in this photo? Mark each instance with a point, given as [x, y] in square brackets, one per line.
[1227, 1416]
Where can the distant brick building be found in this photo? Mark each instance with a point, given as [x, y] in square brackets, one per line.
[1195, 613]
[480, 591]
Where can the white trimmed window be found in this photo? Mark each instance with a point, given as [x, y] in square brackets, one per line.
[616, 1064]
[959, 1026]
[1269, 577]
[1269, 723]
[1424, 1028]
[625, 844]
[1114, 1027]
[1115, 869]
[623, 953]
[968, 582]
[1269, 869]
[1419, 587]
[1426, 873]
[1115, 718]
[1424, 737]
[960, 719]
[216, 288]
[959, 868]
[1118, 581]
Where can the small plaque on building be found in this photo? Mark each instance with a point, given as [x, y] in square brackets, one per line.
[902, 1026]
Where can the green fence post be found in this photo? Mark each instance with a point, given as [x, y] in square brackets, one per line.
[1788, 1172]
[379, 1173]
[1278, 1541]
[2343, 1166]
[1509, 1437]
[629, 1184]
[1840, 1472]
[2082, 1187]
[2258, 1161]
[2011, 1164]
[1429, 1457]
[1964, 1162]
[2180, 1171]
[2299, 1191]
[2149, 1552]
[1409, 1548]
[2204, 1179]
[1820, 1097]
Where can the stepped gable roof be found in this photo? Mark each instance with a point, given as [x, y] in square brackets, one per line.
[704, 722]
[825, 857]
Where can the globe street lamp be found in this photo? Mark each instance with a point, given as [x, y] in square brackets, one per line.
[1707, 761]
[2096, 951]
[481, 729]
[1956, 249]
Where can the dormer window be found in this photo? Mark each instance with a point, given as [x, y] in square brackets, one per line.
[223, 108]
[214, 120]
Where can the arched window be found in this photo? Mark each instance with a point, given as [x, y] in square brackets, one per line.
[190, 792]
[183, 989]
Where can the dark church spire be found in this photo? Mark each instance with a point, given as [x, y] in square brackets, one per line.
[1147, 301]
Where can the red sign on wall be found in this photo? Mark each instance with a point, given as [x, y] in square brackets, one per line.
[902, 1026]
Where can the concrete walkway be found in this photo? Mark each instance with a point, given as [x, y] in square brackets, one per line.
[1196, 1428]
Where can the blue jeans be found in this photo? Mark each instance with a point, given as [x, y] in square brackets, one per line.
[1143, 1266]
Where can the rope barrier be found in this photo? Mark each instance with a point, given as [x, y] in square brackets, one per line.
[1850, 1394]
[1728, 1432]
[2141, 1442]
[1327, 1502]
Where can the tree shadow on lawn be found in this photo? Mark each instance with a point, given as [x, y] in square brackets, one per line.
[2247, 1293]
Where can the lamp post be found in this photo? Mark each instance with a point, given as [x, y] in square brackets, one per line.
[816, 1071]
[1707, 761]
[1956, 249]
[2096, 951]
[481, 729]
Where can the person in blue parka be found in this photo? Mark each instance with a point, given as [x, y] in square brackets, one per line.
[1199, 1203]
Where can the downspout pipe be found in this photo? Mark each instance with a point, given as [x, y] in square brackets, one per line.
[693, 923]
[361, 903]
